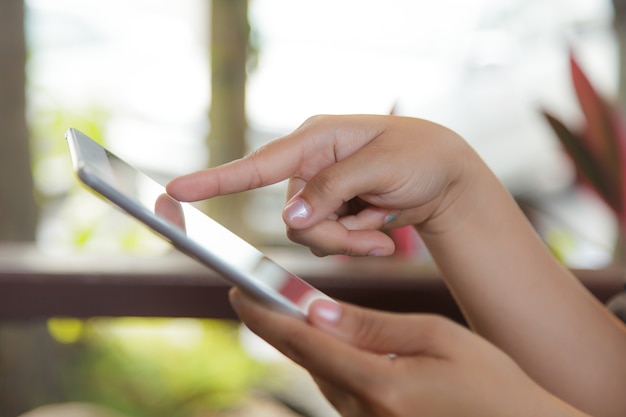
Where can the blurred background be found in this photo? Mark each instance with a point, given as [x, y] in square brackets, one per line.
[173, 87]
[141, 76]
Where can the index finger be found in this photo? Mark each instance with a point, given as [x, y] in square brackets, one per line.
[318, 143]
[268, 165]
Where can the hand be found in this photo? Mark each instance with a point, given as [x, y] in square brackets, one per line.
[349, 176]
[440, 368]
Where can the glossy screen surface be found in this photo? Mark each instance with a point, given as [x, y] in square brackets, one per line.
[189, 229]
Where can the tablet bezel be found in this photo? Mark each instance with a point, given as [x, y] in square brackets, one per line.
[92, 165]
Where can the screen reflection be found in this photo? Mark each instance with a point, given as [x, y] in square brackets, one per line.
[192, 231]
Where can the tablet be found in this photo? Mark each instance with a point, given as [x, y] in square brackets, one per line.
[188, 229]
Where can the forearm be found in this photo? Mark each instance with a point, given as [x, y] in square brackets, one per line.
[511, 289]
[514, 293]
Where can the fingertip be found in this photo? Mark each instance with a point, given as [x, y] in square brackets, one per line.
[325, 311]
[391, 217]
[172, 188]
[234, 297]
[327, 315]
[179, 188]
[383, 251]
[297, 212]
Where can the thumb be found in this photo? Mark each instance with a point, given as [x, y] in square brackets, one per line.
[383, 332]
[316, 198]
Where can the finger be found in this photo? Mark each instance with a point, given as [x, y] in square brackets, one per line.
[253, 171]
[383, 333]
[325, 238]
[344, 402]
[294, 186]
[330, 237]
[274, 162]
[319, 142]
[335, 185]
[320, 353]
[370, 218]
[366, 216]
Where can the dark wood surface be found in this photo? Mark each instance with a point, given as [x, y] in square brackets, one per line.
[38, 285]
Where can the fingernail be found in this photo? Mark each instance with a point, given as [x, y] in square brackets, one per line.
[234, 298]
[328, 311]
[297, 209]
[378, 252]
[391, 217]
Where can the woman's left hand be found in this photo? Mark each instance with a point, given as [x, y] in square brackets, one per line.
[370, 363]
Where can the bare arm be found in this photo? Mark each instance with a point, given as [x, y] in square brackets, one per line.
[515, 294]
[511, 289]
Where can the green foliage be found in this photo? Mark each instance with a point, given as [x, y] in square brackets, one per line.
[79, 219]
[49, 153]
[561, 243]
[159, 367]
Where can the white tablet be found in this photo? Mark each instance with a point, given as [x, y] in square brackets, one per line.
[188, 229]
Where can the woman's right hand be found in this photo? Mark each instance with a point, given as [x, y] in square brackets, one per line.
[349, 177]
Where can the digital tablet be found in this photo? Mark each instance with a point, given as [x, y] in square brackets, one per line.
[188, 229]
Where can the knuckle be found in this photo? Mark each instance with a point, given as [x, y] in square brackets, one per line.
[324, 184]
[367, 332]
[304, 238]
[320, 253]
[254, 158]
[381, 396]
[290, 347]
[435, 328]
[436, 324]
[315, 120]
[295, 236]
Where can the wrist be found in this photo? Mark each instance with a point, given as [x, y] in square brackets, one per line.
[472, 189]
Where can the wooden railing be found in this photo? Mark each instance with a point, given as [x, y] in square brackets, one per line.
[36, 285]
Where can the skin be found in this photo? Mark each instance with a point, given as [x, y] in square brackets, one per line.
[540, 339]
[439, 367]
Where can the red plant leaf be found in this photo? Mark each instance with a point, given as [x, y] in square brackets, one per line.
[619, 127]
[599, 136]
[586, 164]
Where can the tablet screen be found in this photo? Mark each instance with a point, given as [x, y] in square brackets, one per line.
[187, 228]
